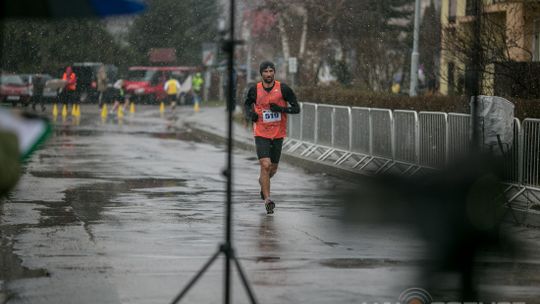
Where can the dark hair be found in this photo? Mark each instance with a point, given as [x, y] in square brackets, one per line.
[266, 64]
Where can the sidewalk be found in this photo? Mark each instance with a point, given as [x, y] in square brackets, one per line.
[211, 122]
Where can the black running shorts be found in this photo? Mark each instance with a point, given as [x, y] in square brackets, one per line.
[269, 148]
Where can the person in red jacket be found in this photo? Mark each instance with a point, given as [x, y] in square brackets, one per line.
[267, 107]
[71, 85]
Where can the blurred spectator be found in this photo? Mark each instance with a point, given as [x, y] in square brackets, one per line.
[101, 84]
[172, 88]
[197, 83]
[38, 85]
[68, 93]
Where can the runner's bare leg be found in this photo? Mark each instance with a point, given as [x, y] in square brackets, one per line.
[264, 177]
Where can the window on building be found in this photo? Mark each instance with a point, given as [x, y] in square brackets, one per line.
[470, 8]
[452, 10]
[536, 41]
[451, 82]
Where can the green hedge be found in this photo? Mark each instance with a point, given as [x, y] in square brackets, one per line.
[359, 98]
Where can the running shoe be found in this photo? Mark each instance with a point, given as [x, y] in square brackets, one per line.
[269, 205]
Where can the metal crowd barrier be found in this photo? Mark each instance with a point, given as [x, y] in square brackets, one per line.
[361, 131]
[324, 124]
[406, 140]
[512, 159]
[294, 126]
[433, 136]
[309, 121]
[459, 136]
[531, 152]
[342, 130]
[379, 140]
[381, 133]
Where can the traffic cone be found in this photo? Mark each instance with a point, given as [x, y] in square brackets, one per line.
[55, 110]
[104, 112]
[162, 107]
[120, 112]
[64, 111]
[132, 108]
[196, 107]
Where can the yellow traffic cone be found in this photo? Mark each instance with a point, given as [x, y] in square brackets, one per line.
[132, 108]
[162, 107]
[104, 112]
[64, 111]
[120, 112]
[55, 110]
[196, 107]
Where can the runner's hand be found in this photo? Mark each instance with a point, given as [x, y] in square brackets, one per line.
[254, 117]
[275, 108]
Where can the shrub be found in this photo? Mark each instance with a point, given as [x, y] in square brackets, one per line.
[360, 98]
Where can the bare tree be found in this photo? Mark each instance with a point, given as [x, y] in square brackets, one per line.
[363, 39]
[506, 62]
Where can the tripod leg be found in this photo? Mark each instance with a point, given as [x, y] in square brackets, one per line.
[244, 280]
[195, 278]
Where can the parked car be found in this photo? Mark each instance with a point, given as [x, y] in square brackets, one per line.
[49, 93]
[14, 90]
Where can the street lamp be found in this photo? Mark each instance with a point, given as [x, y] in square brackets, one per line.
[415, 55]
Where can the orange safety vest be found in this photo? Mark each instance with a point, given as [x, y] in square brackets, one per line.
[72, 81]
[270, 124]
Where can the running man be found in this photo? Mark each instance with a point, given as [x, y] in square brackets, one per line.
[266, 106]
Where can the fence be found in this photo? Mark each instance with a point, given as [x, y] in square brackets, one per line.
[531, 152]
[379, 140]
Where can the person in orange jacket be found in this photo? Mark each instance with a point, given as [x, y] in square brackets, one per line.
[267, 107]
[71, 85]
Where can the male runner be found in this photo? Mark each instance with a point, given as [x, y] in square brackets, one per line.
[266, 106]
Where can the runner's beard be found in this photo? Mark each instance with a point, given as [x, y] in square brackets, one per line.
[269, 79]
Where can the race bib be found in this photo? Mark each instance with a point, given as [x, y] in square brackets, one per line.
[269, 116]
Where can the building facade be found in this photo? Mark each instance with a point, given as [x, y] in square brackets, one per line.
[510, 41]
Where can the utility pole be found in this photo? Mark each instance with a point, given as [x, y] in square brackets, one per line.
[415, 54]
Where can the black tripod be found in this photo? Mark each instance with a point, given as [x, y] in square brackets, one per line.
[226, 248]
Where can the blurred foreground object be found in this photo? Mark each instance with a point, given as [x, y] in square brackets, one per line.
[30, 131]
[69, 9]
[19, 137]
[458, 211]
[9, 161]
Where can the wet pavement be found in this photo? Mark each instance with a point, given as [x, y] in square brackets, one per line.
[128, 210]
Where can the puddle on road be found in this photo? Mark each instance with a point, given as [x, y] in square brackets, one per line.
[355, 263]
[10, 264]
[63, 174]
[84, 203]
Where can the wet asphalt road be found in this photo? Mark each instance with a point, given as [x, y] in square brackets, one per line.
[127, 211]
